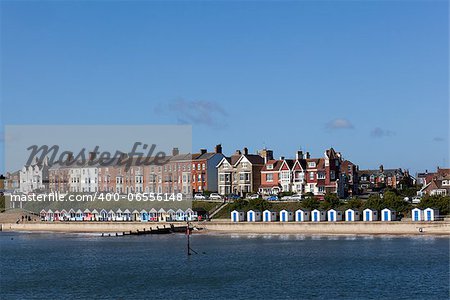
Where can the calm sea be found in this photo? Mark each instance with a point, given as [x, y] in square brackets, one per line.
[226, 267]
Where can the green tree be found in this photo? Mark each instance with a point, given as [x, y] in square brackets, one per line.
[354, 203]
[310, 202]
[331, 201]
[440, 202]
[259, 204]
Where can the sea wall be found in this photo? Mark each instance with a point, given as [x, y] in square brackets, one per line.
[84, 226]
[410, 228]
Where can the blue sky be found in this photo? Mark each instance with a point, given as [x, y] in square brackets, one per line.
[368, 78]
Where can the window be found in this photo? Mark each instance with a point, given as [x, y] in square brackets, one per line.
[203, 167]
[312, 164]
[245, 164]
[269, 177]
[270, 167]
[332, 175]
[311, 175]
[321, 175]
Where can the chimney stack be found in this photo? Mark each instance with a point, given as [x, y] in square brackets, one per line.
[381, 168]
[175, 151]
[299, 155]
[202, 151]
[92, 156]
[245, 151]
[218, 148]
[238, 152]
[281, 157]
[307, 155]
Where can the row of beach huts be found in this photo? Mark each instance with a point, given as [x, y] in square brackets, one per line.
[332, 215]
[118, 215]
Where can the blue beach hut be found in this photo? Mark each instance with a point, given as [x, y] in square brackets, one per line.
[352, 215]
[269, 216]
[253, 216]
[302, 215]
[237, 216]
[334, 215]
[318, 215]
[417, 215]
[286, 216]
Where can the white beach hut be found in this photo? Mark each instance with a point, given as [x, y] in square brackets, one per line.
[269, 216]
[136, 215]
[302, 215]
[318, 215]
[56, 215]
[352, 215]
[49, 215]
[237, 216]
[388, 215]
[430, 214]
[43, 214]
[180, 215]
[162, 215]
[126, 215]
[119, 215]
[103, 215]
[94, 216]
[417, 214]
[334, 215]
[190, 214]
[286, 216]
[72, 214]
[171, 215]
[253, 216]
[370, 215]
[64, 216]
[111, 215]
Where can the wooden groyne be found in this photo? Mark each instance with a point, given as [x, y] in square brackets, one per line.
[144, 231]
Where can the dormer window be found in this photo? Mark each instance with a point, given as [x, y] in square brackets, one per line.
[312, 164]
[270, 167]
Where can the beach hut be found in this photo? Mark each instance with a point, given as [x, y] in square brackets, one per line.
[388, 215]
[269, 216]
[87, 214]
[286, 216]
[171, 215]
[72, 214]
[318, 215]
[334, 215]
[43, 214]
[237, 216]
[190, 215]
[370, 215]
[63, 215]
[153, 215]
[49, 215]
[161, 215]
[79, 215]
[103, 215]
[144, 215]
[56, 215]
[95, 214]
[253, 216]
[302, 215]
[180, 215]
[126, 215]
[111, 215]
[135, 215]
[119, 215]
[352, 215]
[417, 215]
[430, 214]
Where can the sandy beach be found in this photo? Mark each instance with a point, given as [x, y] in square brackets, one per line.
[393, 228]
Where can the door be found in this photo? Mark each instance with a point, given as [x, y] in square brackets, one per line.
[367, 215]
[315, 216]
[416, 215]
[267, 216]
[331, 215]
[349, 216]
[283, 217]
[234, 217]
[386, 216]
[428, 215]
[250, 217]
[299, 216]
